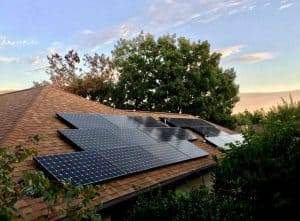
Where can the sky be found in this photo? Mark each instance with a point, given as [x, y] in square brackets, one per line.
[260, 39]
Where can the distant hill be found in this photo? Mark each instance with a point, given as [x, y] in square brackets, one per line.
[256, 101]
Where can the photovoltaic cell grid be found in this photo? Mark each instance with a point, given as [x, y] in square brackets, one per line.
[113, 146]
[92, 167]
[99, 139]
[79, 168]
[83, 121]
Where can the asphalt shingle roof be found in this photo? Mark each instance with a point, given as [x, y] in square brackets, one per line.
[33, 112]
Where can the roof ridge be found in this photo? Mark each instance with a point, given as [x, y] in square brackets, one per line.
[19, 91]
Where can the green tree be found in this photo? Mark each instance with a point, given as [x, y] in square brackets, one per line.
[173, 74]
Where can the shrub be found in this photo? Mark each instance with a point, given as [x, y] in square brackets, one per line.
[255, 180]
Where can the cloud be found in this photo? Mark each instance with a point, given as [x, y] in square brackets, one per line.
[231, 50]
[5, 42]
[163, 16]
[86, 32]
[254, 57]
[6, 59]
[110, 35]
[284, 4]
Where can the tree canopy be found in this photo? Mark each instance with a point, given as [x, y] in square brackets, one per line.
[170, 73]
[173, 74]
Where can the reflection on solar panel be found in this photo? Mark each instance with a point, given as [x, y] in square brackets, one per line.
[169, 133]
[209, 131]
[222, 141]
[200, 126]
[113, 146]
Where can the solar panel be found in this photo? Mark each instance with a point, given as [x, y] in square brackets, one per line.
[200, 126]
[79, 168]
[166, 153]
[114, 146]
[208, 131]
[222, 141]
[146, 121]
[189, 149]
[169, 133]
[86, 120]
[93, 139]
[131, 159]
[123, 121]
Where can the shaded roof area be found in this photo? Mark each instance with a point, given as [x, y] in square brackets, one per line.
[37, 116]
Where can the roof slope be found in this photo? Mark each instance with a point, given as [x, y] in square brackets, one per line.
[12, 107]
[39, 118]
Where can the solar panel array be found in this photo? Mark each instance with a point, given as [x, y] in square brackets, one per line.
[109, 149]
[211, 133]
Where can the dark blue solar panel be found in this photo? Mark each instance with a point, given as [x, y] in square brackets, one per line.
[164, 134]
[166, 153]
[86, 120]
[93, 139]
[146, 121]
[206, 131]
[200, 126]
[79, 168]
[115, 146]
[100, 139]
[186, 122]
[131, 159]
[133, 137]
[189, 149]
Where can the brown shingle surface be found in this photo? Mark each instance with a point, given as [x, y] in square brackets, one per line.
[13, 106]
[39, 118]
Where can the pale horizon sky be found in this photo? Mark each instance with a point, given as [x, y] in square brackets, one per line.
[260, 39]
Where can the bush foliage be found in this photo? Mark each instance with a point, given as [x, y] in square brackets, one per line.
[255, 180]
[75, 202]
